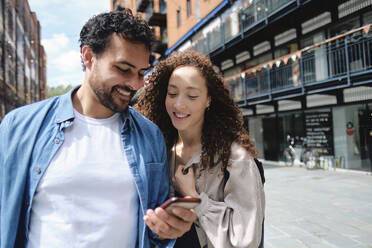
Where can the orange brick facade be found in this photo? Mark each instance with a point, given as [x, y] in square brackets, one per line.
[176, 32]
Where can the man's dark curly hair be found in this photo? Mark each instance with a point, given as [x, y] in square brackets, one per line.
[223, 121]
[98, 30]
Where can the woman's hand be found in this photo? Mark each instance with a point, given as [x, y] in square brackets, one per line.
[170, 226]
[185, 183]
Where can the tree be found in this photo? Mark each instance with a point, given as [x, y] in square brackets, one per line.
[58, 90]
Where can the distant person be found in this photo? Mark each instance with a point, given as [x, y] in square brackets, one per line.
[209, 152]
[82, 169]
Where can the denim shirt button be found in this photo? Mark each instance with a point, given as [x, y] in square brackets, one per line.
[56, 141]
[38, 170]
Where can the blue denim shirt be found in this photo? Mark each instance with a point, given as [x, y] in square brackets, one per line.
[30, 137]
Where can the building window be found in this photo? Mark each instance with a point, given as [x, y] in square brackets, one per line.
[188, 7]
[197, 11]
[178, 18]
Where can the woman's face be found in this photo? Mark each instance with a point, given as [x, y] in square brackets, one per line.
[187, 98]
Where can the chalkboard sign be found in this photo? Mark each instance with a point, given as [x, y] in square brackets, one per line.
[319, 132]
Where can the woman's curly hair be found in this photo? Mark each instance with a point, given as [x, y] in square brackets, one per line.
[223, 121]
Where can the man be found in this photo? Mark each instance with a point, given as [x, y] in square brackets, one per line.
[82, 169]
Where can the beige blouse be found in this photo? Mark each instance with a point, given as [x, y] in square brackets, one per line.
[230, 215]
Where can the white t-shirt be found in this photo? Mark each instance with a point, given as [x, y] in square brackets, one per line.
[87, 197]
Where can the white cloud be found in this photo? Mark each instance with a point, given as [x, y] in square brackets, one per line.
[96, 6]
[67, 62]
[73, 80]
[61, 21]
[55, 44]
[82, 6]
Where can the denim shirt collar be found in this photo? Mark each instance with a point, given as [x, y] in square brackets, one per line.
[65, 110]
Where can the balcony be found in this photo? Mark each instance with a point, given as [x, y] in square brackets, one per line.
[154, 16]
[258, 10]
[157, 19]
[142, 5]
[337, 63]
[234, 23]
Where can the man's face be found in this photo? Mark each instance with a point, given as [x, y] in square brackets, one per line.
[117, 73]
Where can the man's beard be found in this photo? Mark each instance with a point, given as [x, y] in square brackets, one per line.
[107, 100]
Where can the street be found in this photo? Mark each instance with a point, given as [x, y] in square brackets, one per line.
[317, 208]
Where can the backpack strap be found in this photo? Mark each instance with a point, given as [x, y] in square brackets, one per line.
[260, 169]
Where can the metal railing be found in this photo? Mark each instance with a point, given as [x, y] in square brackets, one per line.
[339, 59]
[243, 15]
[258, 10]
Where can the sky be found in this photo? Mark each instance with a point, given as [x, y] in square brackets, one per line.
[61, 22]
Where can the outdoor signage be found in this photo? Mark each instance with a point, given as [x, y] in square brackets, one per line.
[319, 133]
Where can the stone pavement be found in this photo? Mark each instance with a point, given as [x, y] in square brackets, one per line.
[317, 208]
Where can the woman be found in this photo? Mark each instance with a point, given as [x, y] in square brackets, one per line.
[210, 153]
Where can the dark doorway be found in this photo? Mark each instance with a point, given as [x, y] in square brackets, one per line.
[365, 132]
[271, 138]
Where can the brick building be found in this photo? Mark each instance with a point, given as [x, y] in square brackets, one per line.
[296, 67]
[301, 68]
[23, 60]
[183, 16]
[130, 4]
[154, 12]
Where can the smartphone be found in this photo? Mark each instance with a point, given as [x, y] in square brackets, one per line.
[188, 203]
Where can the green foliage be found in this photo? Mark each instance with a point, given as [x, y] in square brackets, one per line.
[58, 90]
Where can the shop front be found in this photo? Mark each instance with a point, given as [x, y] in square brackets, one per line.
[353, 136]
[341, 136]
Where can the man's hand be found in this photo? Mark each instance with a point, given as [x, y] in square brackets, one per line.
[169, 226]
